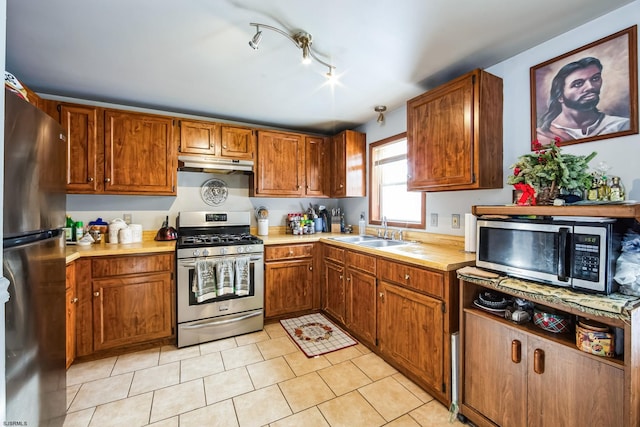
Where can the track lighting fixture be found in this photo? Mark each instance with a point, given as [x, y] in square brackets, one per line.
[301, 39]
[380, 109]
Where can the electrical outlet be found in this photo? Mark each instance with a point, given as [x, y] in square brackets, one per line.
[127, 218]
[455, 221]
[434, 219]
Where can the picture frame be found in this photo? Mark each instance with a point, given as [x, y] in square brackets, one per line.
[587, 94]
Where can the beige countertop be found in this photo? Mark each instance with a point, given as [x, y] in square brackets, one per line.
[440, 252]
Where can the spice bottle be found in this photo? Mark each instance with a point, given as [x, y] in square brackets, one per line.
[603, 189]
[616, 192]
[592, 193]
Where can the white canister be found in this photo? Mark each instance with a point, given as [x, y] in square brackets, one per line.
[263, 227]
[125, 235]
[114, 228]
[136, 232]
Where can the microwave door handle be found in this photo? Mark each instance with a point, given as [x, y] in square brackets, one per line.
[563, 239]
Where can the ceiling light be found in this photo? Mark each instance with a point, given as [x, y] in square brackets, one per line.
[255, 41]
[380, 109]
[301, 39]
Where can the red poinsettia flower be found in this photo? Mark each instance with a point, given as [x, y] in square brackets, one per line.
[516, 171]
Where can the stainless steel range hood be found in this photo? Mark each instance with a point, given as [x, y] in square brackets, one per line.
[195, 163]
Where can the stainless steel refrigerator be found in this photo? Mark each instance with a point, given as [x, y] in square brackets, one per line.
[34, 264]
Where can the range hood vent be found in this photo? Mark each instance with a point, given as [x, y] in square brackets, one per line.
[211, 164]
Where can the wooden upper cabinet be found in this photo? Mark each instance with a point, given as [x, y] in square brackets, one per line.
[140, 154]
[216, 139]
[237, 142]
[316, 159]
[279, 168]
[454, 135]
[84, 147]
[348, 164]
[199, 137]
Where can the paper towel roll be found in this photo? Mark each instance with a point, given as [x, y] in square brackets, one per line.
[470, 232]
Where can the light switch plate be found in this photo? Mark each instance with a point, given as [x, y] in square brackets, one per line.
[127, 218]
[434, 219]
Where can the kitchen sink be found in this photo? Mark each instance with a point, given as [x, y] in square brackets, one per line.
[355, 239]
[377, 243]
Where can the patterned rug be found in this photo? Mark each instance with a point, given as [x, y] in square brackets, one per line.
[315, 335]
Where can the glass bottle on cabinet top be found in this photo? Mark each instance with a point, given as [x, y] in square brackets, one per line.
[616, 192]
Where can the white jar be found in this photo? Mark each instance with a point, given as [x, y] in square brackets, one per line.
[125, 235]
[114, 228]
[136, 231]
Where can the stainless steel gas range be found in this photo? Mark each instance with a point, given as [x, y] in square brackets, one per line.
[220, 277]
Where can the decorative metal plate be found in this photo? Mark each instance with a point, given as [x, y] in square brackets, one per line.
[214, 192]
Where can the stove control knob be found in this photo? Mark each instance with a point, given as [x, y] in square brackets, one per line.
[240, 249]
[196, 252]
[205, 252]
[224, 251]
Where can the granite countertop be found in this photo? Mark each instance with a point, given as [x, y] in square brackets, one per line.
[439, 252]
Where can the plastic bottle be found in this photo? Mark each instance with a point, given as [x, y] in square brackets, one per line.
[362, 225]
[79, 229]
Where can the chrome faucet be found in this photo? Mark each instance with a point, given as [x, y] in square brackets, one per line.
[384, 224]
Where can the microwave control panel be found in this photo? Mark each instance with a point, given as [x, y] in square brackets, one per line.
[586, 257]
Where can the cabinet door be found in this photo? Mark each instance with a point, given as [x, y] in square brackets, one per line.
[440, 135]
[316, 163]
[237, 142]
[410, 331]
[361, 305]
[288, 287]
[140, 154]
[334, 292]
[71, 304]
[80, 124]
[348, 172]
[495, 371]
[280, 165]
[199, 137]
[131, 309]
[558, 390]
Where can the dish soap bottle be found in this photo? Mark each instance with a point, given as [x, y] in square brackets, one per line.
[362, 225]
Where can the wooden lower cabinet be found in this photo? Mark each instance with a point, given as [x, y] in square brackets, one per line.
[334, 292]
[71, 307]
[124, 301]
[411, 332]
[290, 279]
[360, 297]
[514, 378]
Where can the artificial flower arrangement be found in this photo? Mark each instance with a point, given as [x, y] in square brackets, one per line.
[548, 170]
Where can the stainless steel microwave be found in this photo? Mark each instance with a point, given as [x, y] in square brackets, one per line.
[572, 252]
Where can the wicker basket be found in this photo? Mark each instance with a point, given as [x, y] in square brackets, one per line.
[547, 195]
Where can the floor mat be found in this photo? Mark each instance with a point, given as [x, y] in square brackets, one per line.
[316, 335]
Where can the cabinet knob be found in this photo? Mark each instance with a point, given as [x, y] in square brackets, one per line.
[381, 295]
[538, 361]
[407, 277]
[310, 268]
[96, 294]
[74, 300]
[341, 277]
[90, 179]
[341, 185]
[348, 279]
[290, 253]
[516, 351]
[224, 146]
[107, 180]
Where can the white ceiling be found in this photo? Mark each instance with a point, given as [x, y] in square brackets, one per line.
[193, 57]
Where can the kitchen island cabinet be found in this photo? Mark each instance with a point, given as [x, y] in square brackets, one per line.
[290, 280]
[454, 135]
[522, 375]
[124, 301]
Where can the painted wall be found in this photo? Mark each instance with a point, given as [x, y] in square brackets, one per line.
[619, 153]
[622, 154]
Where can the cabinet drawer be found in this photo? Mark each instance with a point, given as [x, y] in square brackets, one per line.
[416, 278]
[133, 264]
[272, 253]
[366, 263]
[334, 254]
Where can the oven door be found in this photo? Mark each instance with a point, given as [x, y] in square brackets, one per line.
[189, 309]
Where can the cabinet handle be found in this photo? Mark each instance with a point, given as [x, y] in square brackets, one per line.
[348, 279]
[96, 294]
[341, 277]
[516, 351]
[407, 277]
[90, 179]
[74, 300]
[107, 180]
[381, 294]
[538, 361]
[290, 253]
[224, 146]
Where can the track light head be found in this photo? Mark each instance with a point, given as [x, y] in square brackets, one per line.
[380, 109]
[255, 41]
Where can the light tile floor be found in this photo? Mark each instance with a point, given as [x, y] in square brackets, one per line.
[258, 379]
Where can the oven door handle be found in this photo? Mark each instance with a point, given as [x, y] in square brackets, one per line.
[222, 322]
[193, 264]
